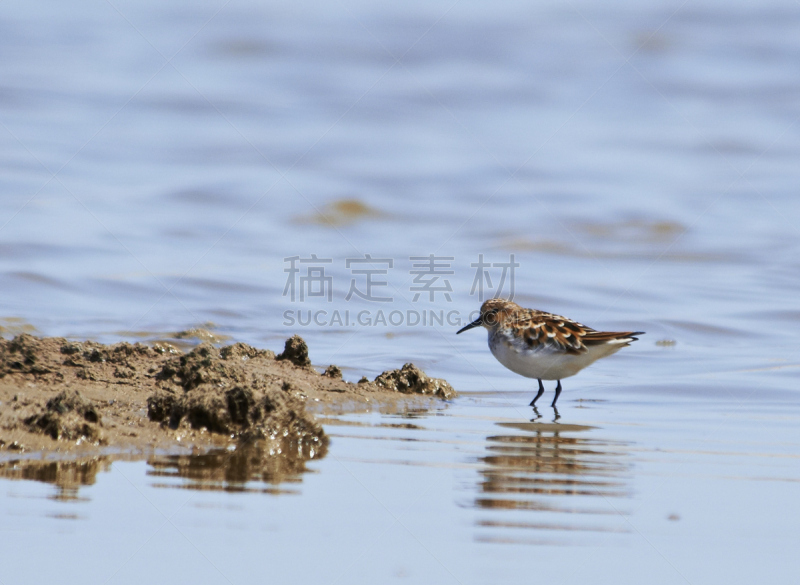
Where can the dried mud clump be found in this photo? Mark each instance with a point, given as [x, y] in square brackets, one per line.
[213, 390]
[296, 351]
[21, 356]
[88, 352]
[67, 416]
[333, 372]
[97, 362]
[244, 352]
[411, 380]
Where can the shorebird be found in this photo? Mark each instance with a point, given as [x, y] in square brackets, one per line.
[544, 346]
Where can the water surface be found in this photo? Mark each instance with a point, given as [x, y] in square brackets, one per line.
[162, 160]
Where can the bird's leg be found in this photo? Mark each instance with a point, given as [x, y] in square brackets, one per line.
[541, 391]
[558, 393]
[538, 415]
[557, 416]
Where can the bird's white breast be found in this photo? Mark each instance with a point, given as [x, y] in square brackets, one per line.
[544, 361]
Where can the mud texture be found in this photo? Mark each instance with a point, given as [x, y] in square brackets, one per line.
[84, 398]
[68, 415]
[411, 380]
[296, 351]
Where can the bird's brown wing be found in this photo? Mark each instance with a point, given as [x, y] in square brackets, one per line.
[545, 329]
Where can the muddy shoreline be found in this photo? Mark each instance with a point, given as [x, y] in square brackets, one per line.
[74, 406]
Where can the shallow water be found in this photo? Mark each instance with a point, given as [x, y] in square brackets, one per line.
[470, 493]
[161, 160]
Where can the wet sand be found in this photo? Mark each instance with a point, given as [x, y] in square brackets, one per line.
[85, 400]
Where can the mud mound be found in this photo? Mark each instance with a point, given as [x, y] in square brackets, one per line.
[21, 356]
[67, 416]
[218, 392]
[333, 371]
[411, 380]
[68, 396]
[296, 351]
[244, 352]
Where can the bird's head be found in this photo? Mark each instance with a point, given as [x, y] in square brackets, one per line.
[492, 313]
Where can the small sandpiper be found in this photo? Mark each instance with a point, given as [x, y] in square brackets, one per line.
[544, 346]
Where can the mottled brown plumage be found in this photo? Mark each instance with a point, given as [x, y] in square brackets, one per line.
[542, 345]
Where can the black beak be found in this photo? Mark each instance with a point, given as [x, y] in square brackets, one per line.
[476, 323]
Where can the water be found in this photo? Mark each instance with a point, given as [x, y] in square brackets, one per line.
[161, 160]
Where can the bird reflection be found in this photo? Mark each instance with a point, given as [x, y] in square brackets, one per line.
[558, 471]
[538, 415]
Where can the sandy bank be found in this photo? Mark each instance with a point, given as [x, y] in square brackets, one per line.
[85, 399]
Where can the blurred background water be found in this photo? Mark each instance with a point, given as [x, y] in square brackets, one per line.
[161, 160]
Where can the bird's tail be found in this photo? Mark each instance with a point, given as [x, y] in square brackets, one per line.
[599, 337]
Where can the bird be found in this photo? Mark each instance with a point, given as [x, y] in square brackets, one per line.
[541, 345]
